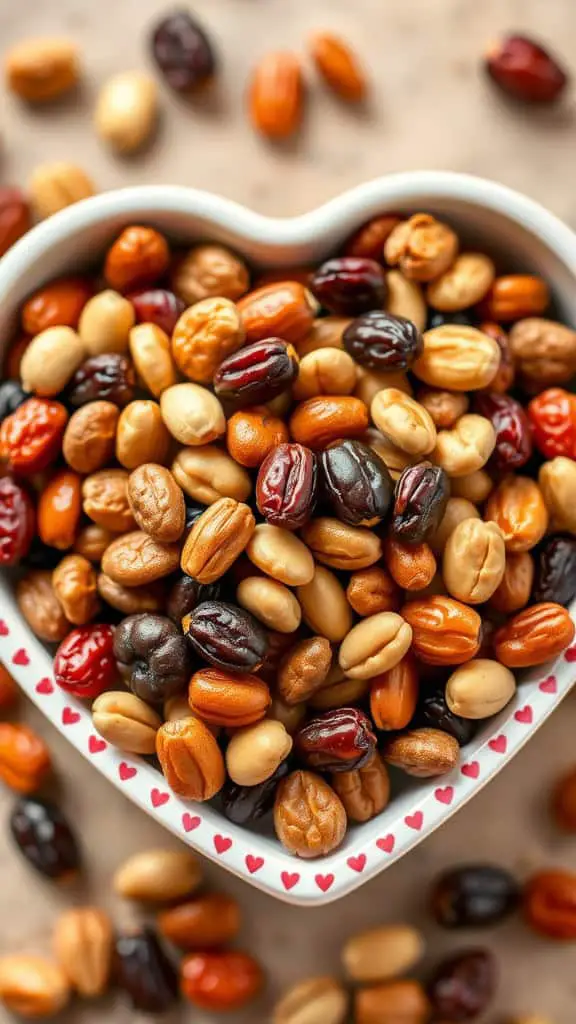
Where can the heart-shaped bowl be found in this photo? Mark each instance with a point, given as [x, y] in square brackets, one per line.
[520, 234]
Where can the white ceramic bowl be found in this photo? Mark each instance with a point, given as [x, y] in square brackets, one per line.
[493, 218]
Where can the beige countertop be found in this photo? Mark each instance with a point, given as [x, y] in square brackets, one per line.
[431, 108]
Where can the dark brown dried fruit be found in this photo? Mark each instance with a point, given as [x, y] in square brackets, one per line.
[349, 285]
[336, 741]
[157, 306]
[44, 837]
[356, 483]
[183, 52]
[383, 342]
[286, 486]
[257, 373]
[463, 985]
[512, 427]
[555, 576]
[226, 636]
[144, 972]
[108, 377]
[474, 896]
[420, 500]
[153, 657]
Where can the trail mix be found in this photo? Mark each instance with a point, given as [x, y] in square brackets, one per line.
[289, 530]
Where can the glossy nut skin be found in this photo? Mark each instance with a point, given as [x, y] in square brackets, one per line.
[44, 838]
[203, 922]
[74, 584]
[557, 481]
[364, 791]
[422, 247]
[141, 435]
[303, 670]
[474, 896]
[32, 986]
[338, 740]
[525, 70]
[399, 1000]
[287, 485]
[534, 636]
[221, 980]
[257, 373]
[515, 297]
[341, 546]
[216, 539]
[513, 433]
[420, 499]
[157, 503]
[394, 695]
[190, 759]
[517, 506]
[59, 508]
[372, 590]
[444, 631]
[374, 645]
[226, 636]
[153, 657]
[135, 559]
[309, 818]
[412, 566]
[255, 752]
[424, 753]
[380, 341]
[318, 422]
[355, 482]
[24, 757]
[88, 442]
[339, 66]
[251, 435]
[150, 350]
[457, 357]
[84, 663]
[138, 257]
[513, 593]
[474, 561]
[463, 985]
[324, 606]
[284, 309]
[325, 371]
[479, 689]
[349, 285]
[83, 947]
[467, 447]
[464, 284]
[105, 500]
[30, 437]
[126, 722]
[555, 570]
[544, 352]
[40, 607]
[144, 972]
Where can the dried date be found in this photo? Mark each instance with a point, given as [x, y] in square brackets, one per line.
[45, 838]
[349, 285]
[144, 972]
[337, 741]
[287, 484]
[153, 657]
[183, 52]
[226, 636]
[463, 985]
[433, 711]
[257, 373]
[157, 306]
[512, 427]
[383, 342]
[355, 482]
[187, 593]
[109, 377]
[474, 896]
[17, 521]
[420, 500]
[555, 570]
[246, 804]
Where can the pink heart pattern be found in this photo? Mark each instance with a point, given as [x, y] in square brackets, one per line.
[472, 770]
[386, 844]
[190, 822]
[69, 716]
[524, 715]
[499, 745]
[126, 771]
[20, 657]
[253, 863]
[158, 798]
[4, 631]
[444, 795]
[45, 686]
[324, 882]
[357, 863]
[570, 654]
[415, 820]
[549, 685]
[221, 844]
[289, 879]
[96, 745]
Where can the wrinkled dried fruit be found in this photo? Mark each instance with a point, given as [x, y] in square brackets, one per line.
[355, 482]
[349, 285]
[420, 500]
[226, 636]
[337, 741]
[525, 70]
[382, 342]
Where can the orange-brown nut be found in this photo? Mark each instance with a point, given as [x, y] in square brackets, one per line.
[221, 698]
[325, 332]
[444, 631]
[393, 695]
[92, 542]
[135, 559]
[131, 600]
[204, 922]
[424, 753]
[40, 69]
[317, 422]
[445, 407]
[74, 584]
[252, 433]
[403, 1001]
[276, 95]
[90, 435]
[59, 510]
[284, 310]
[152, 358]
[534, 636]
[550, 904]
[216, 539]
[309, 818]
[142, 435]
[105, 499]
[464, 284]
[365, 791]
[139, 256]
[564, 802]
[341, 693]
[422, 247]
[157, 502]
[304, 669]
[210, 271]
[516, 296]
[341, 546]
[372, 590]
[516, 586]
[544, 352]
[24, 757]
[517, 506]
[190, 758]
[412, 566]
[205, 334]
[32, 986]
[58, 304]
[339, 66]
[83, 943]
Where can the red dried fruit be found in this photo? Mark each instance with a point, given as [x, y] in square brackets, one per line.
[287, 485]
[525, 70]
[157, 306]
[368, 241]
[84, 664]
[30, 438]
[553, 418]
[17, 521]
[257, 373]
[349, 286]
[14, 217]
[512, 427]
[337, 741]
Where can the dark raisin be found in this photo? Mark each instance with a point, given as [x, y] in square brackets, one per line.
[109, 377]
[436, 319]
[45, 838]
[555, 571]
[463, 985]
[226, 636]
[337, 741]
[474, 896]
[153, 656]
[183, 52]
[246, 804]
[349, 285]
[355, 482]
[434, 712]
[382, 342]
[512, 427]
[420, 500]
[143, 970]
[186, 593]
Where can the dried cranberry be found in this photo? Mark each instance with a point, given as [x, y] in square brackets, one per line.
[349, 286]
[257, 373]
[157, 306]
[553, 418]
[30, 437]
[84, 664]
[356, 483]
[512, 426]
[525, 70]
[12, 395]
[287, 486]
[17, 521]
[337, 741]
[109, 377]
[183, 52]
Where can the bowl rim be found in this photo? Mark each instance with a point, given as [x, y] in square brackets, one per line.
[248, 855]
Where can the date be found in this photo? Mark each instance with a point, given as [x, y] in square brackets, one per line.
[433, 712]
[287, 486]
[109, 377]
[463, 985]
[226, 636]
[145, 973]
[383, 342]
[44, 837]
[17, 521]
[512, 426]
[257, 373]
[355, 482]
[246, 804]
[349, 285]
[420, 500]
[337, 741]
[555, 571]
[474, 896]
[157, 306]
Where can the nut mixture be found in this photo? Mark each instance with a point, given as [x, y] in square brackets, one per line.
[295, 559]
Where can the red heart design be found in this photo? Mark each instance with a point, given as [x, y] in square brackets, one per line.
[499, 745]
[472, 770]
[288, 880]
[324, 882]
[253, 863]
[357, 863]
[96, 745]
[158, 798]
[549, 685]
[386, 844]
[190, 822]
[414, 820]
[20, 657]
[45, 686]
[444, 795]
[70, 717]
[570, 654]
[221, 843]
[126, 771]
[524, 715]
[4, 631]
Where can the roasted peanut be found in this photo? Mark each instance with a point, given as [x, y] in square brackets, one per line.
[341, 546]
[88, 442]
[105, 499]
[513, 593]
[208, 473]
[405, 299]
[304, 669]
[216, 539]
[382, 953]
[464, 284]
[158, 876]
[313, 1001]
[365, 791]
[50, 360]
[141, 435]
[422, 247]
[92, 542]
[210, 271]
[39, 70]
[150, 351]
[374, 645]
[391, 1001]
[40, 607]
[276, 97]
[457, 510]
[83, 940]
[405, 423]
[105, 323]
[324, 606]
[192, 414]
[126, 722]
[54, 186]
[424, 753]
[467, 447]
[480, 688]
[255, 752]
[544, 352]
[205, 334]
[126, 110]
[474, 487]
[280, 554]
[74, 584]
[557, 480]
[327, 371]
[309, 817]
[157, 502]
[412, 566]
[135, 559]
[445, 407]
[270, 602]
[474, 560]
[32, 986]
[203, 922]
[458, 358]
